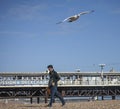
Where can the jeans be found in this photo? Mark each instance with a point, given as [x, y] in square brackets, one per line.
[54, 92]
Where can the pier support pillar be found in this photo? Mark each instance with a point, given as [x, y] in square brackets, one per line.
[46, 100]
[102, 97]
[113, 97]
[38, 100]
[31, 100]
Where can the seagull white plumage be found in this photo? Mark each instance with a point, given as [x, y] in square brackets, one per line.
[75, 17]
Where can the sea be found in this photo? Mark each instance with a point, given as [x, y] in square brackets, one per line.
[67, 99]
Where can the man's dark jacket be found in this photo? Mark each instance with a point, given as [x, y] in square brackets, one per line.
[54, 77]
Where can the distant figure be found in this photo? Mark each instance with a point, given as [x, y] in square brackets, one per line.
[54, 78]
[112, 70]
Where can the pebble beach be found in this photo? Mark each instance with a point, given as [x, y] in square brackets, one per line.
[105, 104]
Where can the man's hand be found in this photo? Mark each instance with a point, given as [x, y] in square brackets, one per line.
[53, 84]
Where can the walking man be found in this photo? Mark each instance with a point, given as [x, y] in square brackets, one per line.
[54, 78]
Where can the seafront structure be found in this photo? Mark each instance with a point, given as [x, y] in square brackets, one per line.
[78, 84]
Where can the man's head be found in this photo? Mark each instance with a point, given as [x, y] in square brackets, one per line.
[50, 68]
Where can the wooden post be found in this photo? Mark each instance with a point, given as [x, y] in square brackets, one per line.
[31, 101]
[102, 97]
[113, 97]
[38, 100]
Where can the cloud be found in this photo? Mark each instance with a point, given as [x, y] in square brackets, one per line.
[26, 11]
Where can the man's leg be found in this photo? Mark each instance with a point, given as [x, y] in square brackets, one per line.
[59, 96]
[52, 89]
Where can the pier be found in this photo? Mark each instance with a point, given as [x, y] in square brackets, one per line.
[72, 84]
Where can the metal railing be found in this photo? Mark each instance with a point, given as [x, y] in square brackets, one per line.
[60, 83]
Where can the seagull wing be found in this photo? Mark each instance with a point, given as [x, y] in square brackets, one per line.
[63, 20]
[85, 12]
[73, 17]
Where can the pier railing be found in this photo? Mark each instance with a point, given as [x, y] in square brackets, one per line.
[67, 79]
[60, 83]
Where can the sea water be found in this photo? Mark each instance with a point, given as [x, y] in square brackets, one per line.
[67, 99]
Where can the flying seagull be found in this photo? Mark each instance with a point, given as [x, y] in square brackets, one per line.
[75, 17]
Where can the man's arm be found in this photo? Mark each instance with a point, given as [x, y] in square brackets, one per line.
[57, 77]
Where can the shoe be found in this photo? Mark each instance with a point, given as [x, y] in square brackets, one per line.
[63, 104]
[48, 105]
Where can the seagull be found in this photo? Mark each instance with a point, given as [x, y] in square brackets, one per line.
[75, 17]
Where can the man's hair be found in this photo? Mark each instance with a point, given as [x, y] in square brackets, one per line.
[50, 66]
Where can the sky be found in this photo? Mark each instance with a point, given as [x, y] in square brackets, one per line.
[30, 39]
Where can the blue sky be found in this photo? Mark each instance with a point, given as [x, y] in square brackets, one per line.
[30, 38]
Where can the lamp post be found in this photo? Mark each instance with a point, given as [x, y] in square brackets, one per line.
[102, 67]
